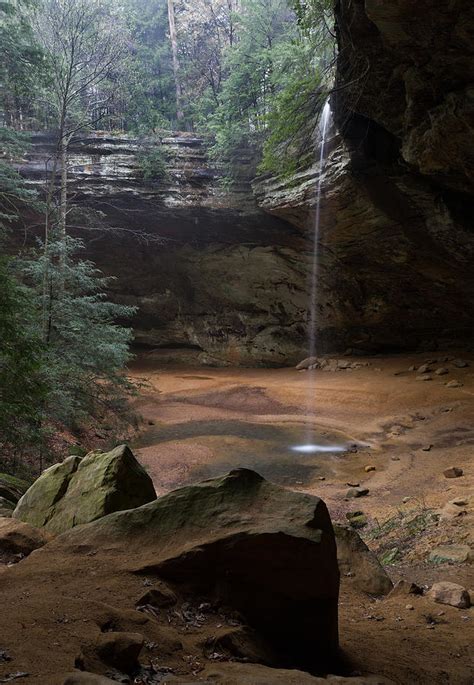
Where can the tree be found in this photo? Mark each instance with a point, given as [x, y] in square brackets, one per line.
[174, 51]
[86, 350]
[84, 46]
[22, 66]
[22, 386]
[148, 78]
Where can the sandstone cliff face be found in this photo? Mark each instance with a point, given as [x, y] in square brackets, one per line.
[396, 244]
[216, 279]
[221, 276]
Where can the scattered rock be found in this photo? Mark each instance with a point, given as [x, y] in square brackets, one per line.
[79, 490]
[242, 644]
[112, 650]
[454, 384]
[427, 448]
[18, 538]
[405, 588]
[406, 499]
[424, 369]
[357, 519]
[451, 511]
[460, 363]
[442, 371]
[357, 492]
[424, 377]
[359, 563]
[395, 458]
[459, 502]
[369, 468]
[307, 363]
[450, 593]
[451, 553]
[159, 597]
[409, 607]
[412, 368]
[453, 472]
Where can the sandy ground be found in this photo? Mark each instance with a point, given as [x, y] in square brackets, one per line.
[200, 422]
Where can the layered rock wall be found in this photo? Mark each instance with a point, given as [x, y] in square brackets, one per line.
[396, 246]
[221, 276]
[215, 278]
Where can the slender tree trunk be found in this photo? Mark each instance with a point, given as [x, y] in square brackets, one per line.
[174, 52]
[63, 189]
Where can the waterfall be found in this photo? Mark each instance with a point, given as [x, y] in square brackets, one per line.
[310, 445]
[313, 302]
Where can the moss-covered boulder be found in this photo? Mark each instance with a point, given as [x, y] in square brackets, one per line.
[80, 490]
[12, 488]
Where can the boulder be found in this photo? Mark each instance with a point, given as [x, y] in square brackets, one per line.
[18, 538]
[12, 488]
[357, 562]
[119, 651]
[451, 553]
[357, 492]
[450, 593]
[80, 490]
[264, 551]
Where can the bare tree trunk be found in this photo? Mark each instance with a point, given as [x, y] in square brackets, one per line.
[63, 189]
[174, 52]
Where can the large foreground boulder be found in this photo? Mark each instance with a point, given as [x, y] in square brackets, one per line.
[264, 551]
[80, 490]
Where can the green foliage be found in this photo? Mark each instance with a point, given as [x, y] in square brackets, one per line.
[152, 163]
[149, 76]
[14, 194]
[22, 388]
[85, 350]
[22, 63]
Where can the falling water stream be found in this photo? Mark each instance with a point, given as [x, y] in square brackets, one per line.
[311, 445]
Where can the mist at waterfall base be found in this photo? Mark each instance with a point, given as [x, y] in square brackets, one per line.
[310, 446]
